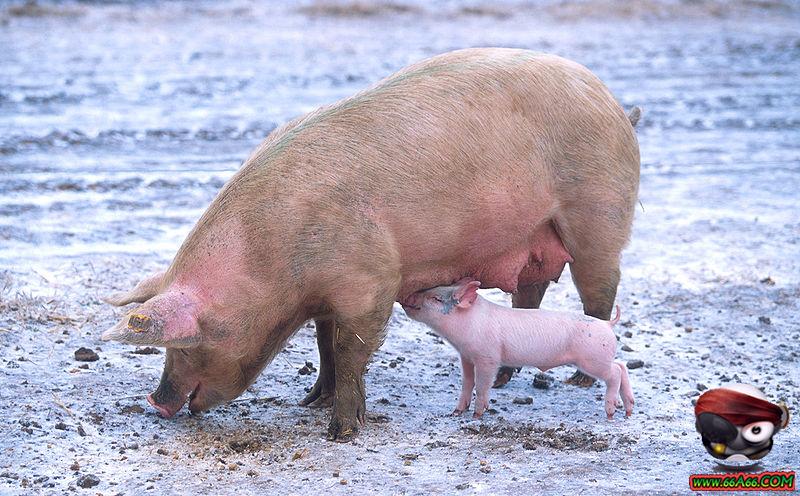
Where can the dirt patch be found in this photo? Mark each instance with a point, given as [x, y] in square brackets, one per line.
[558, 438]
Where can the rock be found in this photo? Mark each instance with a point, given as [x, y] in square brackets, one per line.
[86, 355]
[542, 380]
[635, 364]
[88, 480]
[147, 350]
[307, 369]
[768, 281]
[701, 386]
[765, 320]
[61, 426]
[132, 409]
[628, 334]
[625, 347]
[520, 400]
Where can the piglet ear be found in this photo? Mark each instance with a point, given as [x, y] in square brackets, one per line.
[466, 294]
[168, 319]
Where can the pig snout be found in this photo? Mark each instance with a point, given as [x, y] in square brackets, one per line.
[168, 399]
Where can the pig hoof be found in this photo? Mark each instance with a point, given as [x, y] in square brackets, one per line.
[457, 412]
[318, 393]
[341, 432]
[503, 376]
[477, 416]
[324, 400]
[580, 379]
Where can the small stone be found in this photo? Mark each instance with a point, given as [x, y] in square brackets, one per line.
[343, 482]
[625, 347]
[701, 386]
[765, 320]
[628, 334]
[61, 426]
[768, 281]
[233, 467]
[88, 480]
[132, 409]
[335, 473]
[307, 369]
[393, 364]
[522, 400]
[75, 466]
[486, 469]
[162, 451]
[635, 364]
[147, 350]
[86, 355]
[542, 381]
[462, 486]
[81, 432]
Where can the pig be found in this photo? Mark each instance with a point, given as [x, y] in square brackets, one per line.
[498, 164]
[488, 335]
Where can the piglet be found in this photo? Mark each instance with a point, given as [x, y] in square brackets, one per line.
[488, 335]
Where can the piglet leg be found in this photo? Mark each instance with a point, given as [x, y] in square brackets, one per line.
[467, 385]
[610, 373]
[625, 388]
[484, 378]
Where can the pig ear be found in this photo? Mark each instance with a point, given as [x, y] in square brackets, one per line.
[467, 294]
[143, 291]
[168, 319]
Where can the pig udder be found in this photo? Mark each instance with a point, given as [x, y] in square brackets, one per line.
[546, 258]
[543, 260]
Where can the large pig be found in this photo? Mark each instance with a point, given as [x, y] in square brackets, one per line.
[497, 164]
[488, 335]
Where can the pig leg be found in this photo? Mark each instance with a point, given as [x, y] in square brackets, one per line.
[357, 340]
[484, 377]
[467, 385]
[321, 394]
[625, 388]
[597, 287]
[525, 297]
[610, 373]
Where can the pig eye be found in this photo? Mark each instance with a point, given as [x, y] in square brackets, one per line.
[438, 298]
[758, 431]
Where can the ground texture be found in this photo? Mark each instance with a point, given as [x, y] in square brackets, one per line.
[119, 123]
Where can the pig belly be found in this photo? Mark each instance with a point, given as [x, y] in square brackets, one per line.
[543, 260]
[544, 354]
[540, 260]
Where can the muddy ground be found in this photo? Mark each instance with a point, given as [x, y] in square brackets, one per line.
[120, 122]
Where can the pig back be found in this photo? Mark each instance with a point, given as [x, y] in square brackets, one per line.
[457, 157]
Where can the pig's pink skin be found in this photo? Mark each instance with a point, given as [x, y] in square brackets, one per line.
[163, 410]
[488, 335]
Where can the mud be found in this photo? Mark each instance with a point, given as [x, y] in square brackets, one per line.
[120, 122]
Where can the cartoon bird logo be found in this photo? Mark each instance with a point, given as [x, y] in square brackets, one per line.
[737, 423]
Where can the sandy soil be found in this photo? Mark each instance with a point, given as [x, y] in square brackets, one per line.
[119, 123]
